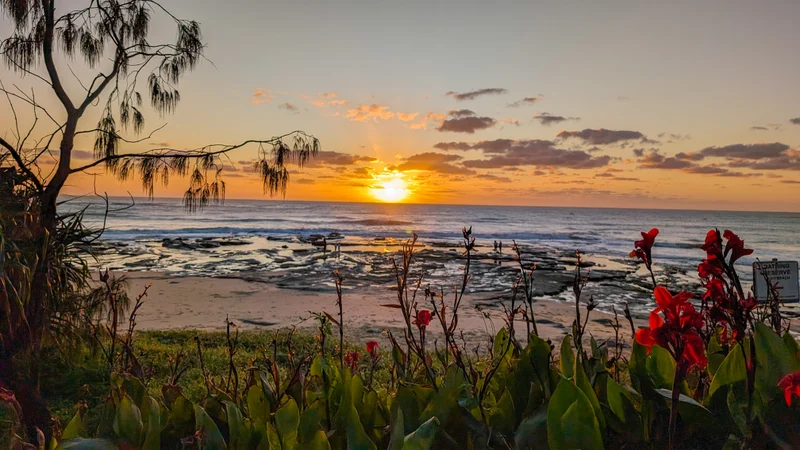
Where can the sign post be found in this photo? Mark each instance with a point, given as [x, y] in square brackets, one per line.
[781, 274]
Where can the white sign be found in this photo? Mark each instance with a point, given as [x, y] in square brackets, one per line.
[781, 274]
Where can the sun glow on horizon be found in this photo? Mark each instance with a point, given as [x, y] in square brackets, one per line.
[390, 188]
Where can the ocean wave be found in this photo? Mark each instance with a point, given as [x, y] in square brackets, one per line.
[379, 222]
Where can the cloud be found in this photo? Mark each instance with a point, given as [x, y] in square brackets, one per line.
[304, 181]
[82, 154]
[262, 95]
[406, 117]
[161, 144]
[337, 159]
[537, 152]
[790, 181]
[511, 121]
[337, 102]
[288, 106]
[670, 137]
[549, 119]
[747, 151]
[363, 113]
[435, 162]
[465, 121]
[423, 123]
[604, 175]
[495, 178]
[524, 102]
[602, 136]
[464, 146]
[795, 120]
[318, 103]
[689, 156]
[472, 95]
[328, 95]
[759, 128]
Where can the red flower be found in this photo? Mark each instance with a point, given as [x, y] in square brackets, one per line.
[351, 360]
[677, 331]
[644, 246]
[749, 303]
[423, 318]
[372, 349]
[791, 386]
[713, 244]
[735, 246]
[710, 267]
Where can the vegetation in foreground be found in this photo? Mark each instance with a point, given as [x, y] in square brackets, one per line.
[720, 375]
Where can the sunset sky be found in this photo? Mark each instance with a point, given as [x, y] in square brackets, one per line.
[681, 104]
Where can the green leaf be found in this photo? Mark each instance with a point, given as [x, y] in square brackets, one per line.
[422, 438]
[661, 367]
[87, 444]
[501, 347]
[357, 439]
[310, 423]
[773, 361]
[540, 359]
[319, 442]
[502, 416]
[287, 419]
[398, 433]
[567, 357]
[151, 413]
[273, 438]
[238, 432]
[76, 427]
[732, 370]
[212, 438]
[128, 421]
[532, 431]
[571, 423]
[583, 383]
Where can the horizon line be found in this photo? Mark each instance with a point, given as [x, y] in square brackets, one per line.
[221, 203]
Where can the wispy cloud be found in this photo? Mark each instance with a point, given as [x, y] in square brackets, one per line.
[524, 102]
[288, 107]
[262, 95]
[435, 162]
[511, 121]
[472, 95]
[363, 113]
[548, 119]
[406, 117]
[536, 152]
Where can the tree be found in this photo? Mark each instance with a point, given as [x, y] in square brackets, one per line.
[110, 38]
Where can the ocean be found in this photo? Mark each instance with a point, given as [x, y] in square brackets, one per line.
[608, 232]
[271, 241]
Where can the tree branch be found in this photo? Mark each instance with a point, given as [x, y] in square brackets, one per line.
[21, 164]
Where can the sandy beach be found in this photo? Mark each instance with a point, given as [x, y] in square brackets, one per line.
[203, 303]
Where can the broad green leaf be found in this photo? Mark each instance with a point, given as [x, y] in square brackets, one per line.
[287, 419]
[318, 442]
[181, 416]
[532, 431]
[792, 345]
[773, 361]
[571, 423]
[273, 438]
[310, 423]
[151, 415]
[567, 364]
[212, 438]
[661, 367]
[540, 359]
[397, 432]
[732, 370]
[238, 431]
[87, 444]
[583, 383]
[128, 421]
[502, 415]
[76, 427]
[357, 439]
[502, 348]
[422, 438]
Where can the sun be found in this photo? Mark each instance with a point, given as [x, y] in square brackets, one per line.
[390, 189]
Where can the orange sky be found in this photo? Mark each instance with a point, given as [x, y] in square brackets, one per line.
[571, 104]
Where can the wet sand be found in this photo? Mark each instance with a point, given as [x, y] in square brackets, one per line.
[191, 302]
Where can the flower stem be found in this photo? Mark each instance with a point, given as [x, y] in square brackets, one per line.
[673, 413]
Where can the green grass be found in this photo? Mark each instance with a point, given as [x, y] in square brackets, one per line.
[83, 376]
